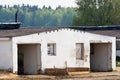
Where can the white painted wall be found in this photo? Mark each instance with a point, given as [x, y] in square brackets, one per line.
[65, 40]
[6, 55]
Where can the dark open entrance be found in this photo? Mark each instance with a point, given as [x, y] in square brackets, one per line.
[29, 58]
[100, 57]
[20, 63]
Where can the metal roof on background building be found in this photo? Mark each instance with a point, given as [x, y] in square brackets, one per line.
[10, 25]
[103, 30]
[13, 29]
[88, 28]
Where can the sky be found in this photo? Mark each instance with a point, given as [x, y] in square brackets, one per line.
[40, 3]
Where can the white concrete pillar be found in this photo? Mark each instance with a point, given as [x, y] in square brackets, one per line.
[15, 58]
[38, 58]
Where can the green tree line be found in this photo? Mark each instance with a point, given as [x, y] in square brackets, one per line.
[32, 16]
[87, 13]
[97, 12]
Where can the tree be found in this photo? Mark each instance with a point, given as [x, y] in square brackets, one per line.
[97, 12]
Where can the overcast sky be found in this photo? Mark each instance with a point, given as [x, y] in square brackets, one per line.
[40, 3]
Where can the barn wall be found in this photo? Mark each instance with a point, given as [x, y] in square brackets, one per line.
[6, 55]
[65, 40]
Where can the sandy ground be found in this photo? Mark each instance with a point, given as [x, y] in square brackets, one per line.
[115, 75]
[94, 76]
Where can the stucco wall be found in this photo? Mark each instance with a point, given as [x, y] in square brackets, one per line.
[65, 40]
[6, 55]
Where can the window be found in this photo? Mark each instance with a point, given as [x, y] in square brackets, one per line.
[79, 51]
[118, 45]
[51, 49]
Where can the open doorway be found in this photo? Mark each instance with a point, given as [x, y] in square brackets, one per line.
[29, 58]
[20, 63]
[100, 57]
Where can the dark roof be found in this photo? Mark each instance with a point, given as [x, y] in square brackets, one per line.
[10, 25]
[103, 30]
[27, 31]
[114, 33]
[24, 31]
[88, 28]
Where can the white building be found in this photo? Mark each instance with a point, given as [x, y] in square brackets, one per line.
[113, 30]
[30, 51]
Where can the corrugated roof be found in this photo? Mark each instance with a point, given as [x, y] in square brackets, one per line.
[27, 31]
[23, 31]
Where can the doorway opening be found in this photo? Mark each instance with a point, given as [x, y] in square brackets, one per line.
[100, 57]
[29, 58]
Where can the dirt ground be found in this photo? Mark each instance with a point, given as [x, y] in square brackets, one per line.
[94, 76]
[115, 75]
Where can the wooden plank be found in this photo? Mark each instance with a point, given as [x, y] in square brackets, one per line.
[64, 71]
[78, 73]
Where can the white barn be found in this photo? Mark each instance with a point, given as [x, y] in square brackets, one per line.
[33, 51]
[113, 30]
